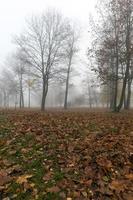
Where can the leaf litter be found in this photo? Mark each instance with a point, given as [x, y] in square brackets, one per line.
[66, 155]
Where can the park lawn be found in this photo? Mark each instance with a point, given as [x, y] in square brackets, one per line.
[56, 155]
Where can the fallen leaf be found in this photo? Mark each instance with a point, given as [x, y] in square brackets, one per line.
[4, 178]
[23, 179]
[48, 176]
[53, 189]
[129, 176]
[118, 186]
[104, 162]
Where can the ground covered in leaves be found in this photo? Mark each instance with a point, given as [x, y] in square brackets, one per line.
[75, 155]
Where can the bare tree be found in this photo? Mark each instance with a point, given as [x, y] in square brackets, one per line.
[8, 88]
[43, 43]
[70, 53]
[18, 67]
[90, 88]
[31, 83]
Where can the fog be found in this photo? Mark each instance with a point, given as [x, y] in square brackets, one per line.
[13, 17]
[66, 99]
[13, 14]
[66, 54]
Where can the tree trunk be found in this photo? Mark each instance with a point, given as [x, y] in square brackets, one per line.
[43, 98]
[44, 93]
[128, 100]
[127, 64]
[8, 100]
[116, 77]
[67, 83]
[29, 97]
[128, 56]
[129, 94]
[123, 89]
[125, 101]
[21, 101]
[29, 87]
[16, 100]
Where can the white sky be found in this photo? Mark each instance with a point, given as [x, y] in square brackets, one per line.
[14, 12]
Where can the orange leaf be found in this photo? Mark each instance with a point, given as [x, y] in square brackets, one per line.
[118, 186]
[23, 179]
[129, 176]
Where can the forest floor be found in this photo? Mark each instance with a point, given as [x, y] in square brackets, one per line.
[74, 155]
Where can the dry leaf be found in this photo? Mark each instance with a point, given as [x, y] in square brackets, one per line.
[4, 178]
[53, 189]
[129, 176]
[23, 179]
[118, 186]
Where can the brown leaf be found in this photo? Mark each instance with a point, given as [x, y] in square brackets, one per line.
[104, 162]
[129, 176]
[53, 189]
[48, 176]
[4, 178]
[14, 170]
[117, 186]
[70, 149]
[128, 196]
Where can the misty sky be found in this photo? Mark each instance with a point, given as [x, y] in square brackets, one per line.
[14, 12]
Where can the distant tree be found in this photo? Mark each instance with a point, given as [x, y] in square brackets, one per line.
[8, 88]
[90, 87]
[18, 67]
[31, 83]
[79, 100]
[71, 51]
